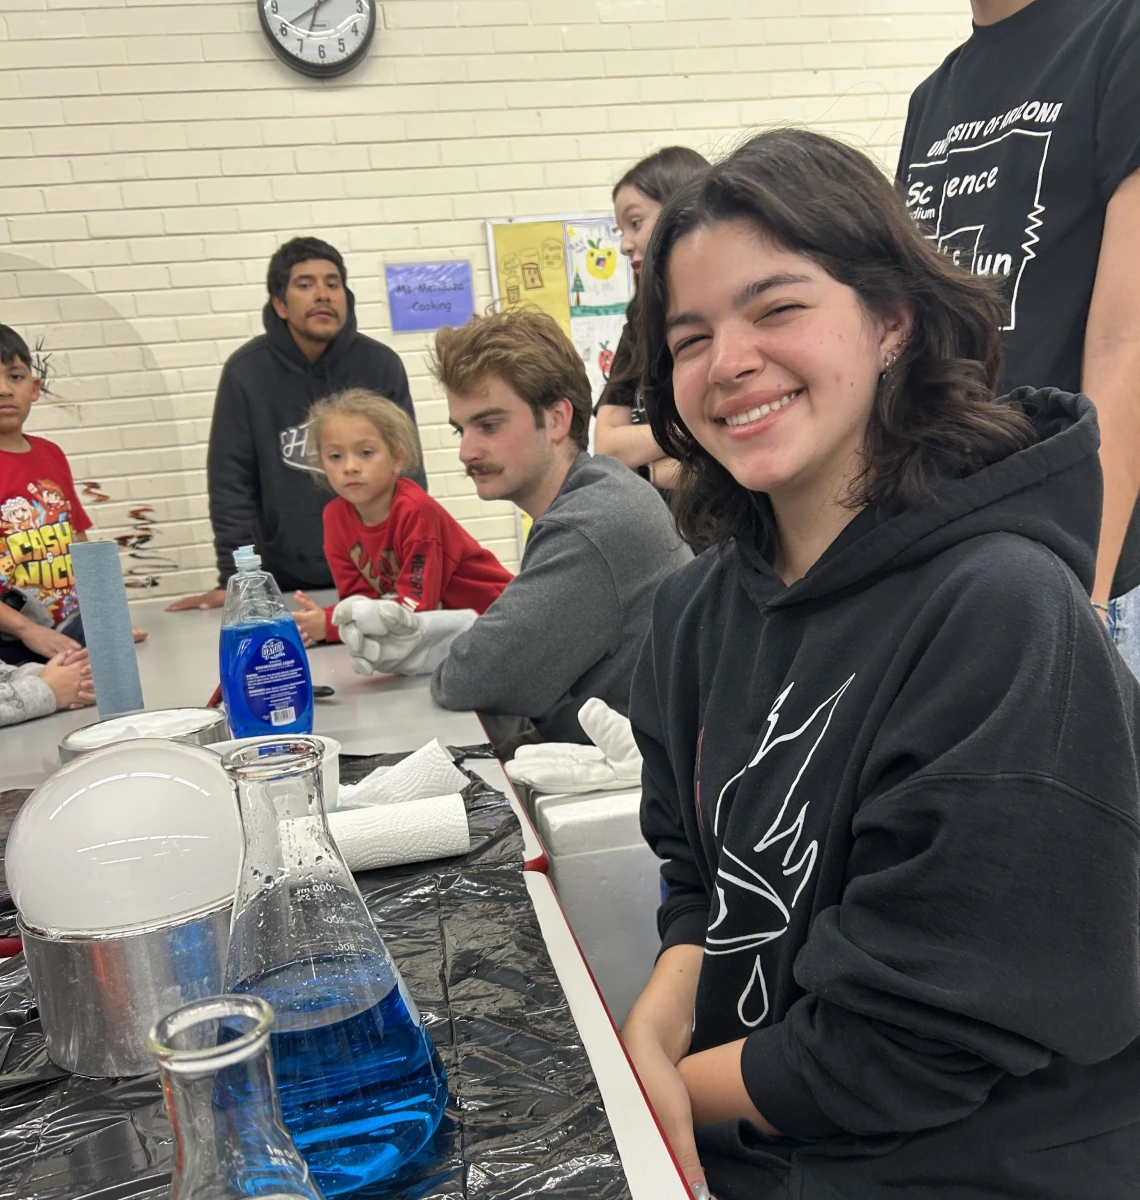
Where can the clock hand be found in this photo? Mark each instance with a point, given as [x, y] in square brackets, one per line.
[301, 16]
[316, 9]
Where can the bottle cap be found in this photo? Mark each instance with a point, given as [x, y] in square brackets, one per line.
[246, 558]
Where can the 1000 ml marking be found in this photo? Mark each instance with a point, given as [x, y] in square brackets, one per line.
[310, 890]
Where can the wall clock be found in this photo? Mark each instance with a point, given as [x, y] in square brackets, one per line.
[319, 37]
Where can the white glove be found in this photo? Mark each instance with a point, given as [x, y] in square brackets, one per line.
[384, 637]
[613, 761]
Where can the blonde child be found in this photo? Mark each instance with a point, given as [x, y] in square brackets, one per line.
[384, 535]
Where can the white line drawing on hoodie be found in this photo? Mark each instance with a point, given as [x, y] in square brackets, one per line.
[294, 448]
[763, 877]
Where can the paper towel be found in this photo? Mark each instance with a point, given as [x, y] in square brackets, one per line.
[430, 771]
[414, 831]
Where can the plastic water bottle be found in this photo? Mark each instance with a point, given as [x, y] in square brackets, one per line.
[266, 683]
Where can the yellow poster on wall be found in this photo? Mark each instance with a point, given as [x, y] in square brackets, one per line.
[530, 265]
[571, 267]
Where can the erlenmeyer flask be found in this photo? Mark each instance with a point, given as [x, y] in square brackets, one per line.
[217, 1077]
[361, 1086]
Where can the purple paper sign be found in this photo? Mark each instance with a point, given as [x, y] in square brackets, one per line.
[429, 295]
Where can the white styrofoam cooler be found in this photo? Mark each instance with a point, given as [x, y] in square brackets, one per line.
[608, 882]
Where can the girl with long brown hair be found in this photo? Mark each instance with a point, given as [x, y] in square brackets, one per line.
[890, 752]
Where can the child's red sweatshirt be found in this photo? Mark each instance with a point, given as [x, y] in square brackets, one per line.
[420, 555]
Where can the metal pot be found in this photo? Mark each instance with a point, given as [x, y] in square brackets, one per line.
[99, 993]
[210, 727]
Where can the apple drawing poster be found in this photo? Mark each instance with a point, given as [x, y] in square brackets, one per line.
[596, 339]
[600, 279]
[601, 285]
[571, 267]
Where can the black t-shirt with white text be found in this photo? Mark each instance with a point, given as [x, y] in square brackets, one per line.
[1012, 150]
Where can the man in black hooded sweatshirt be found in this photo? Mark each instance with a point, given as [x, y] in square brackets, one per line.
[262, 489]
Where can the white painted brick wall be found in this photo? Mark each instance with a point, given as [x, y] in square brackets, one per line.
[155, 153]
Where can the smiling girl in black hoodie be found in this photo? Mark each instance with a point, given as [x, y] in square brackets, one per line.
[890, 752]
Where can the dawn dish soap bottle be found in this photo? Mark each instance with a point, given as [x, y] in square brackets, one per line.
[266, 683]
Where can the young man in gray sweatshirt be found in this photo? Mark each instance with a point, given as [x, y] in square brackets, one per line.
[570, 625]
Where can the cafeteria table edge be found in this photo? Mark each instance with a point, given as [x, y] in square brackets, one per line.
[651, 1170]
[534, 852]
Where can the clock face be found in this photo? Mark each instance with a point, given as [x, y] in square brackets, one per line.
[319, 37]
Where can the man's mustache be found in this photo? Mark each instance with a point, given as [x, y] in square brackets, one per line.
[472, 471]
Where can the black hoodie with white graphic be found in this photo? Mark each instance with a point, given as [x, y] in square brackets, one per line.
[262, 490]
[899, 806]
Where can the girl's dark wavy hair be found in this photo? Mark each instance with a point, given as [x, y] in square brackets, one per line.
[935, 412]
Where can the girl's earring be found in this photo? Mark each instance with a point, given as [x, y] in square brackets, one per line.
[892, 358]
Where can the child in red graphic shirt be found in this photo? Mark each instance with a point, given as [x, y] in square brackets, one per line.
[40, 517]
[384, 535]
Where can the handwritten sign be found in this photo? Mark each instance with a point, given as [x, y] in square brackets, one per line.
[429, 295]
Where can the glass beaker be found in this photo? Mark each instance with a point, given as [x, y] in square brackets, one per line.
[217, 1077]
[361, 1085]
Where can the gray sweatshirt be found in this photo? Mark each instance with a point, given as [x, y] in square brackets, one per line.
[23, 694]
[570, 625]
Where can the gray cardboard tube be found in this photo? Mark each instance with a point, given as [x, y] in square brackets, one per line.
[107, 627]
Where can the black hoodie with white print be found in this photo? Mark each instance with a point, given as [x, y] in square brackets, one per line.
[899, 806]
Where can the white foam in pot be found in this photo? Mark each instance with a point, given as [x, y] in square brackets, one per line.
[168, 723]
[130, 834]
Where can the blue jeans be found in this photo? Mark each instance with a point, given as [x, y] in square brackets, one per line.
[1124, 627]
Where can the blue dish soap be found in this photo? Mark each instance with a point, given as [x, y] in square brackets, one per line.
[266, 683]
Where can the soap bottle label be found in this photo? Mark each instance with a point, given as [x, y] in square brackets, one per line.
[274, 680]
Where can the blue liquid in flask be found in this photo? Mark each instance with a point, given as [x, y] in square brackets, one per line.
[361, 1086]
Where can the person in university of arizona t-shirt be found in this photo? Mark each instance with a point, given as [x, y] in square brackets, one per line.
[1020, 160]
